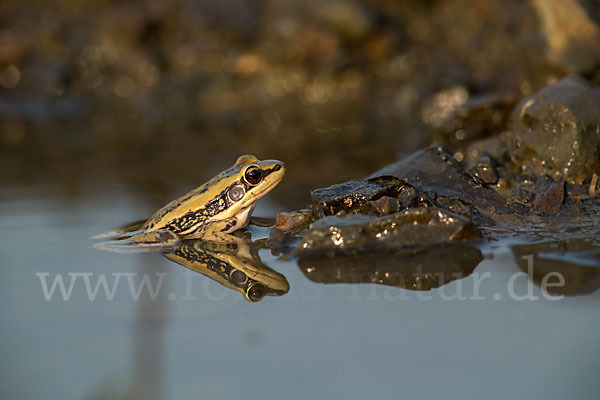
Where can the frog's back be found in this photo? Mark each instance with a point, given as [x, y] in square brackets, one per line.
[193, 209]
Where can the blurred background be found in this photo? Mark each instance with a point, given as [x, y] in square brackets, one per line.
[152, 93]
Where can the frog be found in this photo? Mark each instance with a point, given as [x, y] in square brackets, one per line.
[212, 212]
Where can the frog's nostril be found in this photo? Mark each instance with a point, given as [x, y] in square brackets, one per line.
[277, 167]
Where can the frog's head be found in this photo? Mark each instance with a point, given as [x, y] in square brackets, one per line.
[246, 181]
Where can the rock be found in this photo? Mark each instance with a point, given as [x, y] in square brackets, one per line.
[522, 196]
[574, 190]
[384, 206]
[435, 170]
[486, 170]
[557, 131]
[287, 221]
[348, 195]
[414, 229]
[351, 196]
[549, 195]
[493, 146]
[541, 184]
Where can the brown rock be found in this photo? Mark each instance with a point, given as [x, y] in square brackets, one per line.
[550, 198]
[557, 131]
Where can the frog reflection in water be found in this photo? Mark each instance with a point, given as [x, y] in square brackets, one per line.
[234, 265]
[210, 212]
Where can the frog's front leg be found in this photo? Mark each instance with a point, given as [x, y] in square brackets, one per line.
[221, 231]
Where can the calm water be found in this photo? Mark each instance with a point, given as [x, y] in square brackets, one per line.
[200, 340]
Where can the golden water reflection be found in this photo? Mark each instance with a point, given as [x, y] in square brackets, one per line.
[234, 265]
[413, 271]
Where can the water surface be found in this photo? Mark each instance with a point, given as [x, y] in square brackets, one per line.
[197, 339]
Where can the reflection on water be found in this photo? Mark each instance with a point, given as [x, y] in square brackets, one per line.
[234, 265]
[576, 261]
[237, 265]
[420, 271]
[148, 352]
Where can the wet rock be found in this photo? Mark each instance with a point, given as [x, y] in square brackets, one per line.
[557, 131]
[420, 271]
[384, 206]
[348, 195]
[522, 196]
[411, 197]
[541, 184]
[575, 190]
[494, 146]
[486, 170]
[414, 229]
[549, 195]
[287, 221]
[576, 261]
[593, 188]
[435, 170]
[518, 205]
[351, 196]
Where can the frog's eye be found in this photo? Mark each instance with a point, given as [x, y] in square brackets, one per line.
[236, 193]
[256, 292]
[253, 174]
